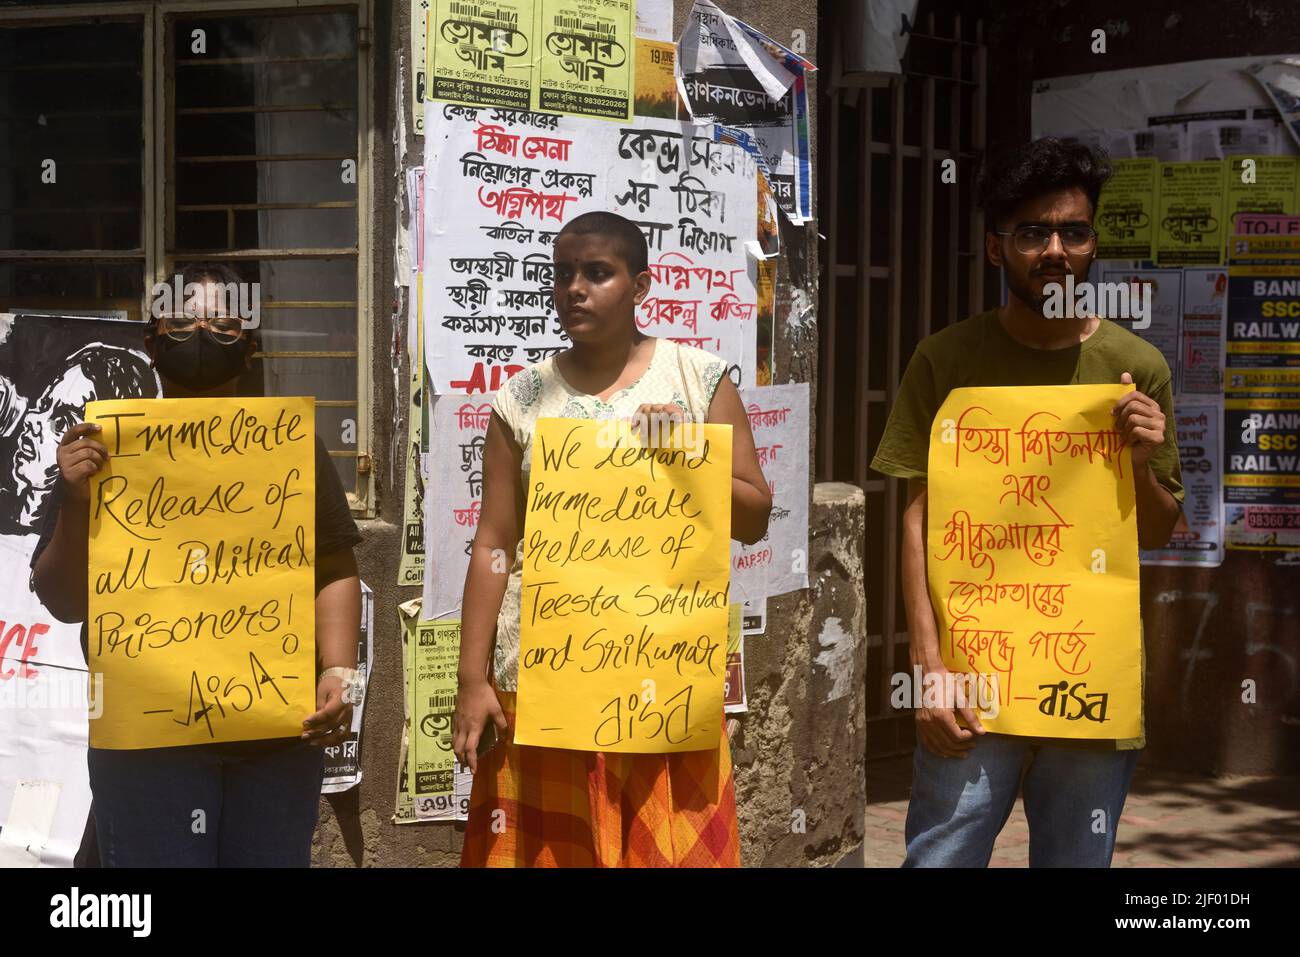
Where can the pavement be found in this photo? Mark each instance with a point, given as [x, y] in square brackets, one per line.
[1171, 819]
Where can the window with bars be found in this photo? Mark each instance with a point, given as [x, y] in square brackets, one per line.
[179, 135]
[71, 167]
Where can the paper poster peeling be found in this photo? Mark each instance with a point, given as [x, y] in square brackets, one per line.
[754, 90]
[1281, 81]
[28, 823]
[836, 657]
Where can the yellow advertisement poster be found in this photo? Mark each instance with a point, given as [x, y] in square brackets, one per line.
[483, 53]
[1190, 223]
[1261, 184]
[656, 84]
[585, 66]
[432, 765]
[1126, 210]
[202, 570]
[1032, 559]
[419, 63]
[553, 56]
[626, 583]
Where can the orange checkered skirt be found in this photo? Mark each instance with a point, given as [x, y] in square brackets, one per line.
[550, 807]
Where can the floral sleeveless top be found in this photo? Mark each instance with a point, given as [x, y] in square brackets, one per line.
[677, 374]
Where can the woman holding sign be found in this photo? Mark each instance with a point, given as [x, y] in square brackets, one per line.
[237, 803]
[549, 807]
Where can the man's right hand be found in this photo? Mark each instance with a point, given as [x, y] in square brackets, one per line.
[79, 458]
[937, 727]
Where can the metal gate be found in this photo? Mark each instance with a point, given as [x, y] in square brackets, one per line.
[904, 257]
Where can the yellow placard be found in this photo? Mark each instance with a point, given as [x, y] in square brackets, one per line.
[202, 570]
[1032, 559]
[626, 588]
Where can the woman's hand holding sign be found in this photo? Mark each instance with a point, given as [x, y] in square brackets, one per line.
[332, 720]
[81, 457]
[476, 707]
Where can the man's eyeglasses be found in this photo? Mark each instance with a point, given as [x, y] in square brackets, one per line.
[1034, 239]
[180, 326]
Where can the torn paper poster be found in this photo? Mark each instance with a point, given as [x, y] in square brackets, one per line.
[753, 89]
[777, 563]
[431, 765]
[43, 738]
[1164, 298]
[410, 808]
[410, 569]
[419, 62]
[1197, 539]
[734, 699]
[1205, 300]
[343, 760]
[28, 823]
[1219, 139]
[459, 429]
[505, 183]
[654, 20]
[876, 35]
[1281, 82]
[1168, 144]
[799, 67]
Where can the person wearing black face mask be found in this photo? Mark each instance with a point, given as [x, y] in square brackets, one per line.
[260, 798]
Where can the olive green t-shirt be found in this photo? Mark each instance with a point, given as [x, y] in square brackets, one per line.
[980, 352]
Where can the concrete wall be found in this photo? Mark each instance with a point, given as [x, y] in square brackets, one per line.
[799, 750]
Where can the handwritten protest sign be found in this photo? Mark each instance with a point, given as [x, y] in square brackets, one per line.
[623, 644]
[202, 584]
[1032, 558]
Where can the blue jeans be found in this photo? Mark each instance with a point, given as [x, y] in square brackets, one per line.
[1073, 800]
[243, 805]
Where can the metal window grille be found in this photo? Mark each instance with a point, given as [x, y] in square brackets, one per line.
[904, 258]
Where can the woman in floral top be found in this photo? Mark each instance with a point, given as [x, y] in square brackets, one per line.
[536, 806]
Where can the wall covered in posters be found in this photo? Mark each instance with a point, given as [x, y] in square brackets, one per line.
[1205, 191]
[503, 171]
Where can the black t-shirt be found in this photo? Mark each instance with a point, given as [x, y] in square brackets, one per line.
[335, 530]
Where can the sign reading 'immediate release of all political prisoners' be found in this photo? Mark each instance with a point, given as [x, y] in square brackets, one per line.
[1032, 558]
[202, 570]
[623, 644]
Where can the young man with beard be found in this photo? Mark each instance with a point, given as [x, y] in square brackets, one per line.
[1039, 202]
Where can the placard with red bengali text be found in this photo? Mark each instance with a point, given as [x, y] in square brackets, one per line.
[1032, 558]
